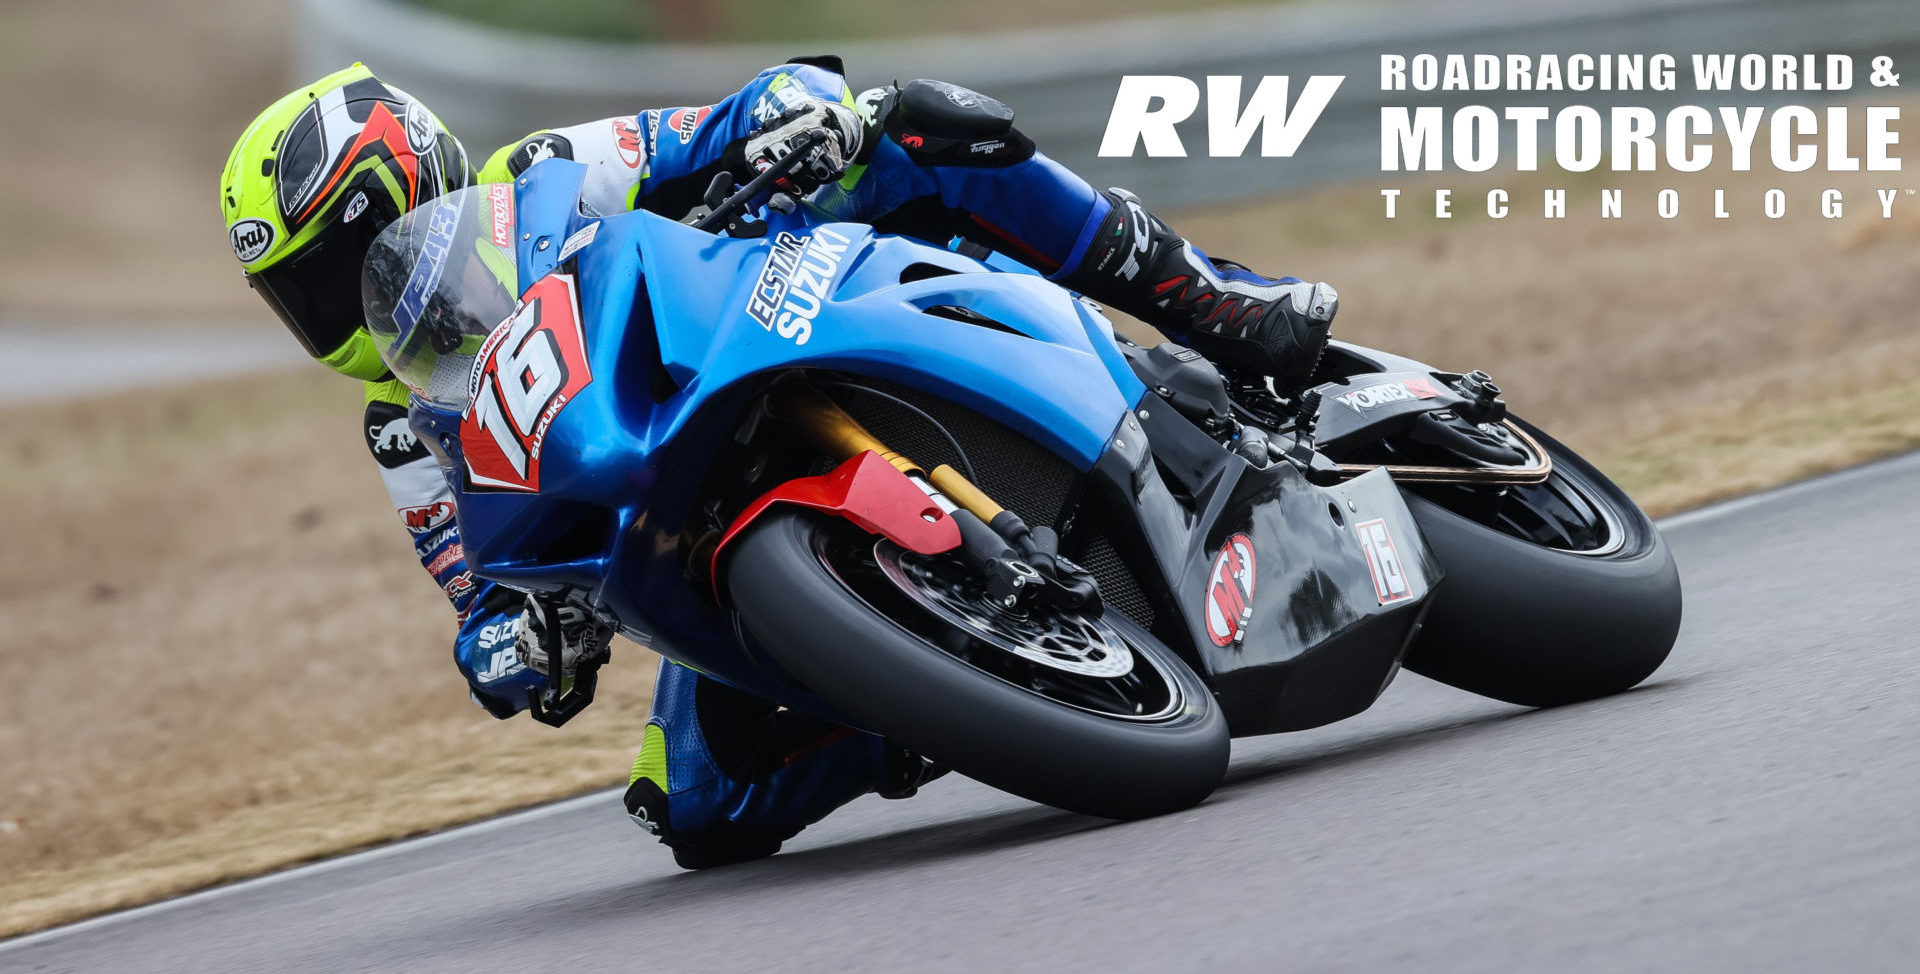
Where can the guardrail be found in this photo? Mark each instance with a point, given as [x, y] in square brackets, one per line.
[492, 86]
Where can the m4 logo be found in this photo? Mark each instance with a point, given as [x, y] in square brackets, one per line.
[528, 370]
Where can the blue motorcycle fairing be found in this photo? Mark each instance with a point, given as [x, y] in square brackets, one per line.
[623, 459]
[547, 214]
[1030, 373]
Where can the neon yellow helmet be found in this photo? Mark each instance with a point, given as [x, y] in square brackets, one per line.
[309, 185]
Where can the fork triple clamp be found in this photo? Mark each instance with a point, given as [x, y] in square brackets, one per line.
[1018, 562]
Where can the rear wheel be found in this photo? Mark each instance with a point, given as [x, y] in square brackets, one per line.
[1086, 714]
[1554, 593]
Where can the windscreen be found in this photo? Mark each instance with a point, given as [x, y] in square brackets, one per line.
[435, 283]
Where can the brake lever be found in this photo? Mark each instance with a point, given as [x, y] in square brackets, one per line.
[722, 215]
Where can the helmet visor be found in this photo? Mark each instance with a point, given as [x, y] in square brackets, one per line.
[316, 294]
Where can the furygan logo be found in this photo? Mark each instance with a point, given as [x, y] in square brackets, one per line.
[792, 286]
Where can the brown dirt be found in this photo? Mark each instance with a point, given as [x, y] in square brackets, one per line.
[210, 611]
[119, 115]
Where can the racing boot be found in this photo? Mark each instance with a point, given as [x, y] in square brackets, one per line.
[1242, 321]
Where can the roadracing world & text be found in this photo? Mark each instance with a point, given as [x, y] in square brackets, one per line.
[1846, 136]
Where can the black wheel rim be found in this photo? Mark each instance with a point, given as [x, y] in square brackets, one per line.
[931, 598]
[1564, 513]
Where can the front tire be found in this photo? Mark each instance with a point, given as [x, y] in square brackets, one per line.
[806, 594]
[1538, 608]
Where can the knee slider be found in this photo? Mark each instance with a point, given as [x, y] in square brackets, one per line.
[941, 124]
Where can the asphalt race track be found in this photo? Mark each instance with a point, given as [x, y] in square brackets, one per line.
[1752, 809]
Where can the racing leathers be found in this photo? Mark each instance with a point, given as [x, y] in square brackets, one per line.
[721, 775]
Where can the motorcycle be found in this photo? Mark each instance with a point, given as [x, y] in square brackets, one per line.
[927, 493]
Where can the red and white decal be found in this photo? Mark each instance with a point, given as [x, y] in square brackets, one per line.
[459, 585]
[528, 370]
[1390, 583]
[426, 517]
[1387, 392]
[686, 121]
[500, 202]
[626, 138]
[1230, 591]
[445, 559]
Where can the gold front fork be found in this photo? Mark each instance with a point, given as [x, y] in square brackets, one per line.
[833, 432]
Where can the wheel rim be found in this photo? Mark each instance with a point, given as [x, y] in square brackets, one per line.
[1070, 643]
[1564, 513]
[1066, 659]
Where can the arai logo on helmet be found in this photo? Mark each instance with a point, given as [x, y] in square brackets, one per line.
[250, 238]
[419, 128]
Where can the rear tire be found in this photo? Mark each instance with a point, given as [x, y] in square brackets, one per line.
[1530, 624]
[894, 682]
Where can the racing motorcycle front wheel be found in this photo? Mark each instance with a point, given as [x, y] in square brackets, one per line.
[1084, 713]
[1555, 592]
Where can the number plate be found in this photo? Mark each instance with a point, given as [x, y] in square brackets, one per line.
[528, 370]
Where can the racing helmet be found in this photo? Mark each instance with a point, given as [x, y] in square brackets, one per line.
[309, 185]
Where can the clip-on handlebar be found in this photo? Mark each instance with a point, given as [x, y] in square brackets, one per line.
[724, 208]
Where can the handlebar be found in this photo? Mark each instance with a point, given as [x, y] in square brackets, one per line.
[723, 213]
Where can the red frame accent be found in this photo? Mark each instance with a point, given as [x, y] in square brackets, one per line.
[866, 490]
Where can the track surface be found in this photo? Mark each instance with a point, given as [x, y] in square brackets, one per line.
[1751, 809]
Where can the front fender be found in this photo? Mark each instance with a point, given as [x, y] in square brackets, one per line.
[866, 490]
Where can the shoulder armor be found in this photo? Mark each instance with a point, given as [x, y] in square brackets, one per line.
[538, 147]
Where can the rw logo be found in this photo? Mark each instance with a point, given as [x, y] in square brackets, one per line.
[1147, 107]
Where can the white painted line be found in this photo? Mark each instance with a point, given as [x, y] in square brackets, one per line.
[511, 820]
[1877, 468]
[1886, 467]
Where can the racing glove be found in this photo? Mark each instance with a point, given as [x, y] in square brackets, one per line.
[825, 161]
[550, 627]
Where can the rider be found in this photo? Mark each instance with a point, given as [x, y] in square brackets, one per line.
[721, 776]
